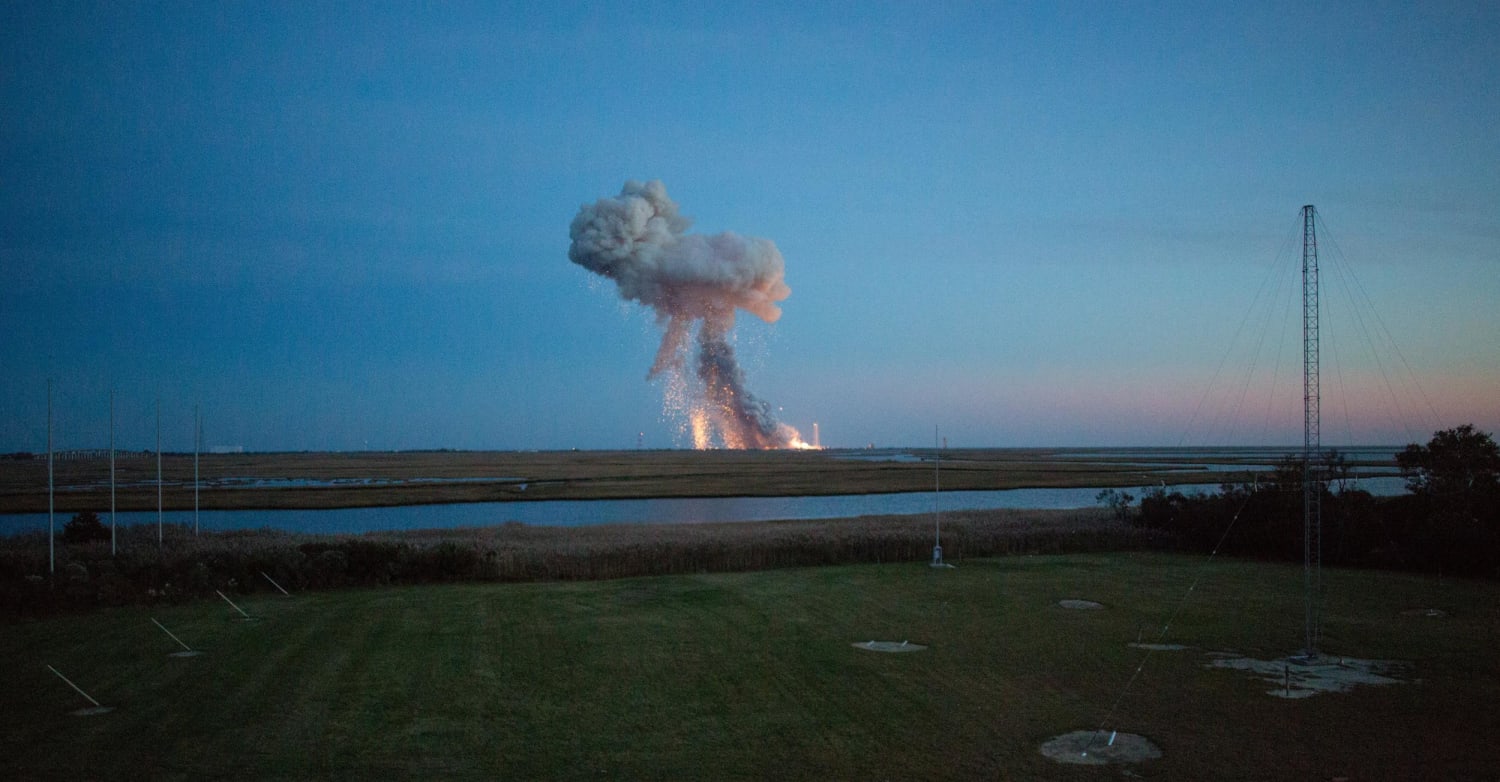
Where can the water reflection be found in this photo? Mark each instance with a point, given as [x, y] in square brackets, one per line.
[574, 513]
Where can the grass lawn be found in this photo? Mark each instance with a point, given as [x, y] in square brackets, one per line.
[753, 676]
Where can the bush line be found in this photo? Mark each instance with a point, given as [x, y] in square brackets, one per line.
[184, 567]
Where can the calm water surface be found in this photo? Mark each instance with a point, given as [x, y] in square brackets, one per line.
[575, 513]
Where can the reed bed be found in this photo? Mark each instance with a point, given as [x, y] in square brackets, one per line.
[350, 480]
[185, 567]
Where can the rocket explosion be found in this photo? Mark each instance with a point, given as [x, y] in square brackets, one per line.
[691, 281]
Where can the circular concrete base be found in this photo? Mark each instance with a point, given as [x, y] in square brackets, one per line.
[1083, 605]
[186, 653]
[92, 711]
[1098, 747]
[1301, 677]
[888, 646]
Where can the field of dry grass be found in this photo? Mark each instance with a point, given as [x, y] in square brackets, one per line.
[186, 567]
[346, 480]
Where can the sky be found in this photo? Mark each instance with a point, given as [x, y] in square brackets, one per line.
[337, 226]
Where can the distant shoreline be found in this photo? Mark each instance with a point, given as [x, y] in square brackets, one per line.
[316, 481]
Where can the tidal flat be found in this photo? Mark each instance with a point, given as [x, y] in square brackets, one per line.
[375, 479]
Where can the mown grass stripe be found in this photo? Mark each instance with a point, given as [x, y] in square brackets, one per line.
[751, 675]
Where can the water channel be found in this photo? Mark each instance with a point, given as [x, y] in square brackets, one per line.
[574, 513]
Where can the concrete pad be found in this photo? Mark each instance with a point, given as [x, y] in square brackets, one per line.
[1098, 747]
[1296, 677]
[888, 646]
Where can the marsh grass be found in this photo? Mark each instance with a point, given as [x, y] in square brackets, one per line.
[186, 567]
[752, 676]
[385, 479]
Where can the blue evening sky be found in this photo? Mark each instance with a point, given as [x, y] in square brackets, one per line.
[345, 225]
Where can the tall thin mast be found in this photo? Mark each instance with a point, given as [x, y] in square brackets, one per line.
[158, 473]
[937, 508]
[111, 472]
[1312, 488]
[937, 488]
[51, 528]
[197, 439]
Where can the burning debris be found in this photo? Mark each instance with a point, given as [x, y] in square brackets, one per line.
[694, 283]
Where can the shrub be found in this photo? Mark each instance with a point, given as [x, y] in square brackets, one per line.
[183, 566]
[85, 528]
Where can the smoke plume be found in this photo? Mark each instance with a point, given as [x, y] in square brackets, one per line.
[694, 283]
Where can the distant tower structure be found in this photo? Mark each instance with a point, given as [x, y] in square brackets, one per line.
[817, 441]
[1312, 485]
[937, 507]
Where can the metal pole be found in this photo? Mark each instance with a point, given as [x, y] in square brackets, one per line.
[51, 524]
[111, 472]
[169, 633]
[232, 605]
[197, 436]
[274, 584]
[158, 473]
[75, 687]
[937, 508]
[937, 486]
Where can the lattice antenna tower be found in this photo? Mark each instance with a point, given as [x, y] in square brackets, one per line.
[1312, 486]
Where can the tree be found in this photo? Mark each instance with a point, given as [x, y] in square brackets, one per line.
[1455, 461]
[1458, 471]
[1116, 501]
[85, 527]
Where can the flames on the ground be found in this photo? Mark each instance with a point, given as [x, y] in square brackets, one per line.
[802, 445]
[702, 435]
[709, 425]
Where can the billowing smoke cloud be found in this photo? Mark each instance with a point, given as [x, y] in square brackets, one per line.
[692, 282]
